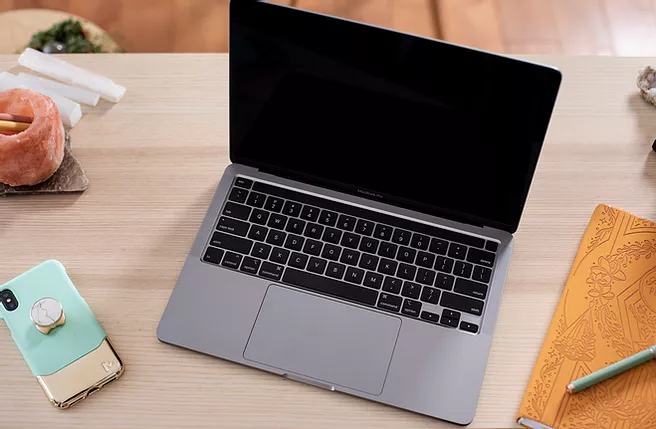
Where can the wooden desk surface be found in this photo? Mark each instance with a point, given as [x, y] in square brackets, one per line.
[125, 239]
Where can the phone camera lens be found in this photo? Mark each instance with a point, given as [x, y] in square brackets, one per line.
[9, 301]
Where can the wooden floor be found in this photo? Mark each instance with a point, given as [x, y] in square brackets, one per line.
[599, 27]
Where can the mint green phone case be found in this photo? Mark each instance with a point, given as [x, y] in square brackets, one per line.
[81, 334]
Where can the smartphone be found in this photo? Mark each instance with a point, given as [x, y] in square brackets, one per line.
[58, 335]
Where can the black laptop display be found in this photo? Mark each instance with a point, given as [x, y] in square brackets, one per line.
[427, 126]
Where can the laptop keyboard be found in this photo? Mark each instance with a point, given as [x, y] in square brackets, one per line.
[358, 255]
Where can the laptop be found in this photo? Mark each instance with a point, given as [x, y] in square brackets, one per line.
[360, 239]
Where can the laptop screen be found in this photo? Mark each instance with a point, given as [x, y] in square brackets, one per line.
[410, 121]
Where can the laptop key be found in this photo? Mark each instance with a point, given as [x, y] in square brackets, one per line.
[364, 227]
[411, 290]
[312, 247]
[332, 287]
[420, 241]
[444, 265]
[328, 218]
[331, 252]
[292, 209]
[295, 226]
[350, 240]
[373, 280]
[389, 302]
[332, 235]
[463, 269]
[258, 233]
[425, 259]
[425, 277]
[231, 242]
[392, 285]
[387, 266]
[237, 211]
[470, 288]
[271, 271]
[213, 255]
[387, 250]
[317, 265]
[255, 199]
[480, 257]
[369, 245]
[298, 260]
[250, 265]
[277, 238]
[492, 246]
[243, 183]
[346, 223]
[310, 213]
[335, 270]
[406, 271]
[232, 260]
[368, 262]
[259, 217]
[401, 236]
[462, 303]
[482, 274]
[406, 254]
[350, 257]
[457, 251]
[430, 295]
[238, 195]
[468, 327]
[383, 232]
[447, 321]
[439, 246]
[294, 242]
[279, 255]
[273, 204]
[444, 281]
[261, 250]
[233, 226]
[313, 230]
[450, 314]
[354, 275]
[277, 221]
[411, 308]
[431, 317]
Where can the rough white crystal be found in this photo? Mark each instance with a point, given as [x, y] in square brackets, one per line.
[51, 66]
[79, 95]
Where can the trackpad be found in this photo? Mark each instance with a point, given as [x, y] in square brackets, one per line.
[335, 343]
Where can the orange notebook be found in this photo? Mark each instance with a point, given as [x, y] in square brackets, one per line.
[606, 313]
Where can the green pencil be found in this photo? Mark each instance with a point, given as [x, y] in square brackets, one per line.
[612, 370]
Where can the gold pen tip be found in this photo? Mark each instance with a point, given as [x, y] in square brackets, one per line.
[570, 388]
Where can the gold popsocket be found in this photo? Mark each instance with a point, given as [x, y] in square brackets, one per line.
[47, 314]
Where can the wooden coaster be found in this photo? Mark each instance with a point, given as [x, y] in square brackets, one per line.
[69, 178]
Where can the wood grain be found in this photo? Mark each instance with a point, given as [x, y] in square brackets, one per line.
[411, 16]
[149, 25]
[583, 27]
[471, 23]
[529, 22]
[125, 239]
[600, 27]
[632, 25]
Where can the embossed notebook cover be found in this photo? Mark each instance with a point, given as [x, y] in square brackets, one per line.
[607, 312]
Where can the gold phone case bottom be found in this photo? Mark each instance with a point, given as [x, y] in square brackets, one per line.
[83, 377]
